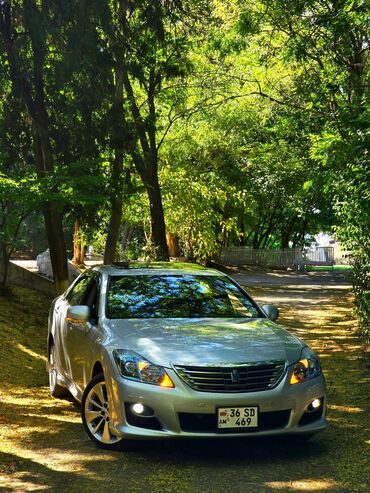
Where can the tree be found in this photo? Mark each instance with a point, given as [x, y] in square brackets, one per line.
[242, 174]
[18, 183]
[328, 43]
[148, 43]
[26, 56]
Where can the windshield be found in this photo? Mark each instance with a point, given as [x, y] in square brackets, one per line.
[177, 296]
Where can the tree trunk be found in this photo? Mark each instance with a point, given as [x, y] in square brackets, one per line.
[173, 245]
[58, 256]
[241, 236]
[116, 173]
[149, 175]
[126, 237]
[356, 77]
[255, 241]
[284, 241]
[266, 240]
[52, 216]
[113, 230]
[44, 158]
[4, 270]
[78, 245]
[32, 94]
[76, 241]
[158, 227]
[147, 167]
[116, 209]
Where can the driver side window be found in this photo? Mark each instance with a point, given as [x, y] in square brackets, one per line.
[75, 297]
[91, 299]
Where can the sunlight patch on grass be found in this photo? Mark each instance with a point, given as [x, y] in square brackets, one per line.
[57, 417]
[30, 352]
[22, 399]
[56, 459]
[16, 432]
[304, 485]
[323, 268]
[346, 409]
[18, 484]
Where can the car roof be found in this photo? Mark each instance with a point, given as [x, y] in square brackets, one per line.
[155, 268]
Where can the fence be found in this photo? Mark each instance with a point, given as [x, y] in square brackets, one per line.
[290, 257]
[318, 256]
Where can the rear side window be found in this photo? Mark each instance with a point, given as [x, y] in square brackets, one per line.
[175, 296]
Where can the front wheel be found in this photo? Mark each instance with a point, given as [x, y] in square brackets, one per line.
[96, 414]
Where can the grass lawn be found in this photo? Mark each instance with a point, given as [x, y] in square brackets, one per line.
[313, 268]
[44, 448]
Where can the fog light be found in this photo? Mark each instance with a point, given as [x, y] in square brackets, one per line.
[314, 405]
[141, 411]
[137, 408]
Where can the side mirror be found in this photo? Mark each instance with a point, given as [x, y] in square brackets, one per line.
[271, 312]
[78, 313]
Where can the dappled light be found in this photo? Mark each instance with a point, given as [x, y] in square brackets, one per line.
[147, 140]
[303, 485]
[347, 409]
[43, 446]
[31, 353]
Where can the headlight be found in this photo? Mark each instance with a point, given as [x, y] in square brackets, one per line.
[307, 367]
[132, 365]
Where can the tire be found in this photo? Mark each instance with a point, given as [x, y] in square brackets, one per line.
[56, 390]
[95, 415]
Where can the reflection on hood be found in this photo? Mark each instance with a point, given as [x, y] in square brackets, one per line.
[206, 341]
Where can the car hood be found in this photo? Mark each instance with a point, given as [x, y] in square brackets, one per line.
[206, 341]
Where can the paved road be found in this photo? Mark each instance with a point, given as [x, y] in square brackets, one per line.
[284, 278]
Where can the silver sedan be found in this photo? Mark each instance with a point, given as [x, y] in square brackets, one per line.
[168, 350]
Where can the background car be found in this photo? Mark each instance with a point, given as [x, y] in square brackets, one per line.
[168, 350]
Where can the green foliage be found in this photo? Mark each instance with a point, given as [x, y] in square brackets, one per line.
[18, 182]
[328, 46]
[361, 283]
[352, 194]
[242, 174]
[253, 114]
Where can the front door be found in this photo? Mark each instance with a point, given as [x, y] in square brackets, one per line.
[78, 337]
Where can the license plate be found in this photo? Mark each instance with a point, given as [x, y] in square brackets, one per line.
[237, 417]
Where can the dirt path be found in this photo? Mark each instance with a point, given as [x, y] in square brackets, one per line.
[43, 447]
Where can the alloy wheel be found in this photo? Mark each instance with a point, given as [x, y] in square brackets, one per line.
[96, 414]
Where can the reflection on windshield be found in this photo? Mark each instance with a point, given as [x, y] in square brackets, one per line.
[175, 296]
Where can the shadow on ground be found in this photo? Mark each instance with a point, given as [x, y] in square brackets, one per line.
[43, 446]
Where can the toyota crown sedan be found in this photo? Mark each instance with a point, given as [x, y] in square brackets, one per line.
[169, 350]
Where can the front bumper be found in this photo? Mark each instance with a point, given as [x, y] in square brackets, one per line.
[180, 411]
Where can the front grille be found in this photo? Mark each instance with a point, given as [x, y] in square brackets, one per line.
[239, 378]
[207, 423]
